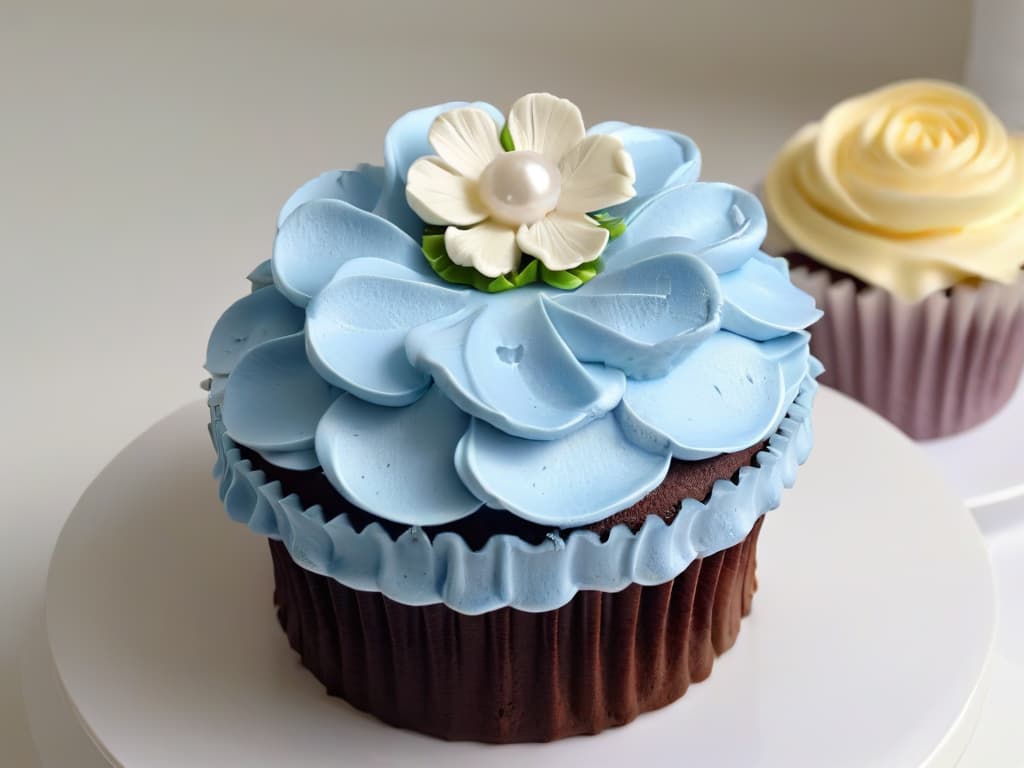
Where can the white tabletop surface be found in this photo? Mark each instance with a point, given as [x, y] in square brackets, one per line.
[887, 703]
[144, 153]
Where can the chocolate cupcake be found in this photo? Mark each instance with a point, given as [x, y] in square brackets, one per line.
[510, 416]
[902, 213]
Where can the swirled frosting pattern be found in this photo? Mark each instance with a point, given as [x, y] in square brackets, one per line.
[913, 187]
[422, 400]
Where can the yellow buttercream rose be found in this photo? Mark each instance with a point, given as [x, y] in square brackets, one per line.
[914, 187]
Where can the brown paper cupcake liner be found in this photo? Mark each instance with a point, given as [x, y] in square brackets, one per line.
[932, 368]
[514, 676]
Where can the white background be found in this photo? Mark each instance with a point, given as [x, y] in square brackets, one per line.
[146, 148]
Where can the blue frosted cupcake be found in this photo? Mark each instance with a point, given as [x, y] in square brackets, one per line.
[510, 410]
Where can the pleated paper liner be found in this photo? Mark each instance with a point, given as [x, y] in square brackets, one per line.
[513, 676]
[932, 368]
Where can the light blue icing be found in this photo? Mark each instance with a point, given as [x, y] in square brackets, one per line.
[617, 319]
[505, 363]
[422, 400]
[321, 235]
[357, 347]
[374, 454]
[661, 159]
[296, 460]
[261, 316]
[274, 399]
[761, 303]
[728, 382]
[360, 187]
[262, 276]
[727, 224]
[415, 569]
[531, 477]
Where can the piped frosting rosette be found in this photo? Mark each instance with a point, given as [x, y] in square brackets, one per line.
[426, 392]
[911, 200]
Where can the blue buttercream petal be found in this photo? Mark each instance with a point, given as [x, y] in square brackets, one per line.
[508, 571]
[397, 463]
[793, 354]
[778, 263]
[642, 318]
[504, 362]
[579, 479]
[726, 395]
[360, 187]
[250, 321]
[295, 460]
[274, 398]
[726, 224]
[405, 141]
[761, 303]
[662, 159]
[356, 328]
[261, 276]
[321, 235]
[646, 249]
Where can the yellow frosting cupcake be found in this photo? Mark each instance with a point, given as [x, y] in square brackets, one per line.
[915, 190]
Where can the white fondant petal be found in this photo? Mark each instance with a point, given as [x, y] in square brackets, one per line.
[726, 395]
[563, 240]
[250, 321]
[397, 463]
[503, 362]
[356, 328]
[490, 248]
[405, 141]
[274, 398]
[577, 480]
[360, 187]
[466, 139]
[641, 319]
[662, 159]
[726, 224]
[546, 124]
[761, 303]
[320, 236]
[597, 173]
[440, 195]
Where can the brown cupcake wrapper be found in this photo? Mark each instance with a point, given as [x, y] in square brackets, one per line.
[513, 676]
[933, 368]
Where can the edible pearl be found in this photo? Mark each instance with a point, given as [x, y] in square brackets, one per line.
[520, 187]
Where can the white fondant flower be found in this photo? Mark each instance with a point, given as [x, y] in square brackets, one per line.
[533, 199]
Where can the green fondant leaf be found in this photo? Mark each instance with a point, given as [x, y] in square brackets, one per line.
[615, 225]
[587, 271]
[497, 284]
[570, 279]
[506, 139]
[528, 274]
[433, 247]
[437, 256]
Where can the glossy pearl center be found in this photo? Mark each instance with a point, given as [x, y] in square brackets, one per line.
[520, 187]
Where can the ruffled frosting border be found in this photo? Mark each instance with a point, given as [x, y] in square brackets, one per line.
[415, 570]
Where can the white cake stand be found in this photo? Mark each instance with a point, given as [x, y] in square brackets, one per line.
[985, 465]
[869, 643]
